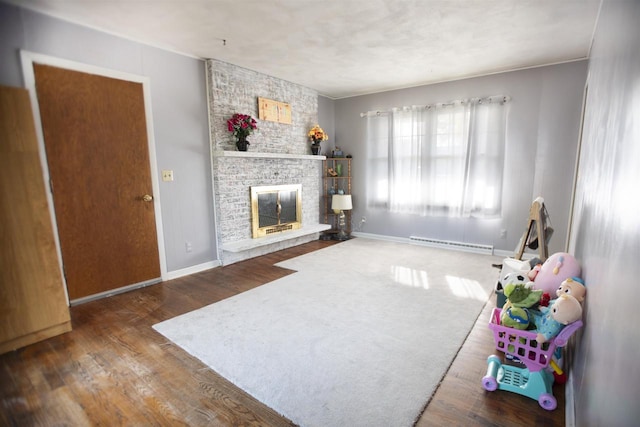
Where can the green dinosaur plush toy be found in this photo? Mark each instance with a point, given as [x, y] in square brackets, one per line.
[520, 297]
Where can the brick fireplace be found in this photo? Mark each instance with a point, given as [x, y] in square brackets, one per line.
[235, 174]
[279, 154]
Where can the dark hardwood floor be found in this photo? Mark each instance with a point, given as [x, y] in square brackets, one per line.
[114, 369]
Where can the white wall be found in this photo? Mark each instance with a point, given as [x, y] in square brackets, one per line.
[542, 138]
[179, 108]
[606, 231]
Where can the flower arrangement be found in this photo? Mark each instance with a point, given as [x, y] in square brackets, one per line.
[241, 125]
[316, 134]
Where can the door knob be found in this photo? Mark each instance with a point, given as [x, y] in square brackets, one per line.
[147, 198]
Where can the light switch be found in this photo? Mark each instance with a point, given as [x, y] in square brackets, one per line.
[167, 175]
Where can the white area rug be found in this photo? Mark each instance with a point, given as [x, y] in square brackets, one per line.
[360, 335]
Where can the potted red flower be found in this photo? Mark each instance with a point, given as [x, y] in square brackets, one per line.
[241, 125]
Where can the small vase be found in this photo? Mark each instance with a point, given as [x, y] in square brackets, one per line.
[242, 144]
[339, 169]
[315, 149]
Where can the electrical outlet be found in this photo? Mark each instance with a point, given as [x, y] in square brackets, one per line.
[188, 247]
[167, 175]
[503, 233]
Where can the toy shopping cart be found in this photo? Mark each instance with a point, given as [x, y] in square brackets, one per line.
[535, 380]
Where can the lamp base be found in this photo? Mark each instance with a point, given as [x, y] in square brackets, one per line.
[341, 226]
[342, 236]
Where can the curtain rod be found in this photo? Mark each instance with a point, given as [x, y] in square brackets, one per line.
[499, 99]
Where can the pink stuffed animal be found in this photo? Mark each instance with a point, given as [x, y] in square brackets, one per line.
[555, 270]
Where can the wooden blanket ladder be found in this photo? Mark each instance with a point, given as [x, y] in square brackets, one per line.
[536, 223]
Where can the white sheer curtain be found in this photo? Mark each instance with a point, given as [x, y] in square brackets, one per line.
[438, 160]
[378, 137]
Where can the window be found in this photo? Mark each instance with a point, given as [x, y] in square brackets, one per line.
[438, 160]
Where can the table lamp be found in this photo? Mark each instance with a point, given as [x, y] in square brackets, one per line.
[339, 204]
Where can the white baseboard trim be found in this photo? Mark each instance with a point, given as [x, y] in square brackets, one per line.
[569, 403]
[381, 237]
[569, 387]
[191, 270]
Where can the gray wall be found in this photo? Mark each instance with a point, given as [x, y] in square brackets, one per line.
[179, 108]
[542, 138]
[327, 121]
[606, 231]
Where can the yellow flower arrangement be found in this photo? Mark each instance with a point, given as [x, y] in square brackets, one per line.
[316, 134]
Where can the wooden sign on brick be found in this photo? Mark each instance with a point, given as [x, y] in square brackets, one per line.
[274, 111]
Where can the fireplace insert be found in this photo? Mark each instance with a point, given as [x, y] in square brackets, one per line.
[275, 208]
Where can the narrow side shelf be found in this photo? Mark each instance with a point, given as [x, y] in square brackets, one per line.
[336, 179]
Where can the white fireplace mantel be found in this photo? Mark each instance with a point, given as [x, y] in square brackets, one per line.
[251, 154]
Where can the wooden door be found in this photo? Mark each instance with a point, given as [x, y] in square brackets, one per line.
[33, 305]
[96, 142]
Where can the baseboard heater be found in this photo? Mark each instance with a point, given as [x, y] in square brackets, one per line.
[469, 247]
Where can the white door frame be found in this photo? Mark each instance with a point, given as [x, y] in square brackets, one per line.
[28, 59]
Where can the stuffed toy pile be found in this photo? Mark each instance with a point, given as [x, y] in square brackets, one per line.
[528, 304]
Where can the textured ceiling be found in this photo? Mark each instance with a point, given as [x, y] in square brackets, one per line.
[344, 48]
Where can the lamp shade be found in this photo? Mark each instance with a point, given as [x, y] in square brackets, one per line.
[341, 202]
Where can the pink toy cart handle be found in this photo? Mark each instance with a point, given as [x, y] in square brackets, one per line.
[524, 345]
[563, 337]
